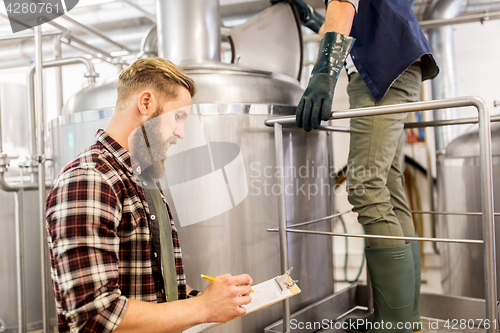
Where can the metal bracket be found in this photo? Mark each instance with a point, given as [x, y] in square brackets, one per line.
[4, 162]
[30, 164]
[283, 282]
[92, 75]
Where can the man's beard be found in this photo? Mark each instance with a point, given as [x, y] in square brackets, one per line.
[151, 158]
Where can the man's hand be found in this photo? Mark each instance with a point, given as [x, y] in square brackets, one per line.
[220, 302]
[316, 103]
[222, 299]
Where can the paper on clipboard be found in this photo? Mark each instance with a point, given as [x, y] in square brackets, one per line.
[265, 294]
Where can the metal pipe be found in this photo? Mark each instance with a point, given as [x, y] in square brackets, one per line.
[387, 109]
[27, 36]
[318, 220]
[41, 175]
[147, 14]
[331, 182]
[58, 72]
[30, 74]
[324, 128]
[422, 239]
[430, 24]
[67, 38]
[278, 141]
[21, 290]
[488, 209]
[444, 85]
[436, 123]
[1, 131]
[450, 213]
[437, 23]
[149, 43]
[96, 32]
[193, 40]
[4, 186]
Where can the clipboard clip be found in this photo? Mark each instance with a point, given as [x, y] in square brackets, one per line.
[284, 281]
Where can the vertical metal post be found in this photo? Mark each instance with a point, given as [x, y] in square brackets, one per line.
[31, 119]
[1, 141]
[488, 215]
[41, 176]
[278, 141]
[21, 291]
[58, 72]
[331, 181]
[371, 307]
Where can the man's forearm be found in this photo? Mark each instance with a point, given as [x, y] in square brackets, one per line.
[167, 317]
[221, 301]
[339, 17]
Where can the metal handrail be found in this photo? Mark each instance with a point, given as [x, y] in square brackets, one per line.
[418, 124]
[420, 239]
[317, 220]
[413, 212]
[486, 188]
[451, 213]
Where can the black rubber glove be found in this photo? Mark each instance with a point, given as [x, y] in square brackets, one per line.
[308, 16]
[316, 103]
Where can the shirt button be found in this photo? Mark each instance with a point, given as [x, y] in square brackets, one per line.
[138, 169]
[156, 255]
[153, 217]
[130, 169]
[144, 183]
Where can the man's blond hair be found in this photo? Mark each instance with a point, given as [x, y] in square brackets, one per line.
[158, 74]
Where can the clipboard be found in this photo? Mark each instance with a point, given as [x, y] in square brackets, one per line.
[266, 293]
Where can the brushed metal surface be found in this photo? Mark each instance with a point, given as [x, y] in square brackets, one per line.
[188, 30]
[275, 32]
[216, 83]
[8, 283]
[463, 265]
[435, 310]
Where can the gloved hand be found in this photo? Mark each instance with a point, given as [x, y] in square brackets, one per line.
[308, 16]
[316, 102]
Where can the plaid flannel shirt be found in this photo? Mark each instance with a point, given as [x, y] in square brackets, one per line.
[98, 230]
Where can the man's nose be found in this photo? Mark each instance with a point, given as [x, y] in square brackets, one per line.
[179, 131]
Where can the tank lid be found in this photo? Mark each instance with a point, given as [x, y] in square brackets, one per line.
[216, 83]
[467, 145]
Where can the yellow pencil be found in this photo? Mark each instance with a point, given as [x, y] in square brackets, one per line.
[212, 279]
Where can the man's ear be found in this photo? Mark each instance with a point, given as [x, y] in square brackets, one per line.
[145, 102]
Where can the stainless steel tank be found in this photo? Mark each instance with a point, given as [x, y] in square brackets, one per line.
[232, 103]
[463, 265]
[236, 241]
[15, 137]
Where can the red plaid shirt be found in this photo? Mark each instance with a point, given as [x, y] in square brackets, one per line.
[98, 230]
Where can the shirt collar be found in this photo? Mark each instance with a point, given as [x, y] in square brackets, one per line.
[127, 161]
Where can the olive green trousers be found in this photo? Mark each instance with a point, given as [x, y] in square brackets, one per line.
[375, 175]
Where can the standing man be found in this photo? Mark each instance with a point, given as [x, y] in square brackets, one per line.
[390, 57]
[115, 254]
